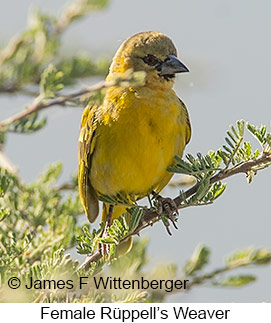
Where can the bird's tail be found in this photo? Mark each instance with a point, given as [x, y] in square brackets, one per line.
[118, 210]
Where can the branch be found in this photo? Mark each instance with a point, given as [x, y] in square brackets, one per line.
[125, 80]
[150, 217]
[244, 167]
[242, 258]
[200, 279]
[39, 104]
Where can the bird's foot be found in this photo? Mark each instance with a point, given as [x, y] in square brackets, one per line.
[167, 209]
[105, 248]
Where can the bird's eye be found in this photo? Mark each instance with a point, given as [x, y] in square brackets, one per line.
[150, 60]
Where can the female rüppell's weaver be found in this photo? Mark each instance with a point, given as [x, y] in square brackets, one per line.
[127, 143]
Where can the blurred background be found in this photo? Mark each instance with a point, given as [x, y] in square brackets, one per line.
[226, 46]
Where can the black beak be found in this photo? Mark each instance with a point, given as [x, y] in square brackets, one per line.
[172, 66]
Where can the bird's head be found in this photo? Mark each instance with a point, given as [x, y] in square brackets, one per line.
[153, 53]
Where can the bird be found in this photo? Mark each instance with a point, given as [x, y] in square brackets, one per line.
[127, 143]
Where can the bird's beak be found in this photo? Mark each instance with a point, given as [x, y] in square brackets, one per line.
[172, 65]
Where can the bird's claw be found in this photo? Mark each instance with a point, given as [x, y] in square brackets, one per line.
[103, 247]
[104, 250]
[168, 210]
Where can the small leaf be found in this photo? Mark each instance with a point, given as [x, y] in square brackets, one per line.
[237, 281]
[199, 259]
[4, 213]
[136, 215]
[227, 149]
[28, 124]
[51, 82]
[240, 258]
[240, 125]
[250, 176]
[2, 137]
[262, 257]
[229, 143]
[5, 180]
[233, 133]
[203, 189]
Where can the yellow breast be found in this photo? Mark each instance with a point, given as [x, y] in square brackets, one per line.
[137, 140]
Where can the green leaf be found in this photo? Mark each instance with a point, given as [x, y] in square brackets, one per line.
[200, 167]
[224, 156]
[219, 189]
[202, 190]
[240, 258]
[236, 281]
[28, 124]
[230, 143]
[215, 192]
[51, 82]
[136, 215]
[96, 4]
[5, 180]
[262, 257]
[232, 153]
[241, 126]
[108, 240]
[2, 138]
[199, 259]
[118, 199]
[4, 213]
[257, 132]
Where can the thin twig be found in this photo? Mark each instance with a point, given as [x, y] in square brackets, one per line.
[242, 168]
[150, 217]
[40, 104]
[198, 280]
[90, 259]
[130, 77]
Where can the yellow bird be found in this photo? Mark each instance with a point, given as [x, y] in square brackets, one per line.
[127, 143]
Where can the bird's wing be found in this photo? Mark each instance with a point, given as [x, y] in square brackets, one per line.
[187, 121]
[86, 146]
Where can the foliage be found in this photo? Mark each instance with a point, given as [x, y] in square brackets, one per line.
[27, 55]
[29, 124]
[41, 223]
[51, 82]
[35, 218]
[32, 63]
